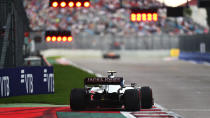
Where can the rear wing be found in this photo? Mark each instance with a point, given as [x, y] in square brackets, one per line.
[103, 81]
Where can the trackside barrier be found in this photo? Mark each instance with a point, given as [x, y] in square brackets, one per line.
[26, 81]
[195, 56]
[45, 61]
[174, 52]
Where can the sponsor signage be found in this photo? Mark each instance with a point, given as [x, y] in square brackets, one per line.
[26, 81]
[103, 80]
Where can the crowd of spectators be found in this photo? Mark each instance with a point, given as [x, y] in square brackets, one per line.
[105, 16]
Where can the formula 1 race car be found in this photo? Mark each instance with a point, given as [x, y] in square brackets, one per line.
[111, 55]
[110, 92]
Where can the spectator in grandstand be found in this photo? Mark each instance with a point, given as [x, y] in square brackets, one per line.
[104, 16]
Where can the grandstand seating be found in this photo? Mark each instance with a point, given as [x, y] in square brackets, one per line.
[105, 16]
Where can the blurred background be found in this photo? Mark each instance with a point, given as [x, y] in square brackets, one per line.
[146, 52]
[105, 25]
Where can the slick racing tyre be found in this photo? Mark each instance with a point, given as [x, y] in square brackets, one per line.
[146, 97]
[116, 57]
[77, 99]
[132, 100]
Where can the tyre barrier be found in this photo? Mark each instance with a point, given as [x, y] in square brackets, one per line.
[26, 81]
[195, 56]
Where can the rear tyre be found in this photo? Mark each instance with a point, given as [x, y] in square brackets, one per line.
[146, 97]
[132, 100]
[117, 57]
[77, 99]
[105, 56]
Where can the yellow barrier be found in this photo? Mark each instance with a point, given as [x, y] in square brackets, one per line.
[174, 52]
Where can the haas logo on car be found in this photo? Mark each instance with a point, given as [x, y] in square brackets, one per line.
[4, 86]
[27, 79]
[49, 78]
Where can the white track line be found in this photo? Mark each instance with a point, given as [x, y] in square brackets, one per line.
[194, 62]
[206, 63]
[127, 114]
[169, 112]
[192, 110]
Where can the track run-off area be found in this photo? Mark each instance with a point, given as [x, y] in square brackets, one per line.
[181, 87]
[56, 111]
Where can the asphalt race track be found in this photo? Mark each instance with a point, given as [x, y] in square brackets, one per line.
[181, 87]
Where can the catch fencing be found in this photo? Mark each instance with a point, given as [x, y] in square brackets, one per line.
[13, 24]
[108, 41]
[195, 47]
[195, 43]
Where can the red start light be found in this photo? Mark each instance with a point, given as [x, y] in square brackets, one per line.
[149, 17]
[58, 36]
[143, 17]
[78, 4]
[87, 4]
[71, 4]
[133, 17]
[138, 17]
[53, 38]
[55, 4]
[70, 39]
[48, 38]
[64, 39]
[59, 39]
[63, 4]
[155, 17]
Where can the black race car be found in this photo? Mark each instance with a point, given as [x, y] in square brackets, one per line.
[110, 92]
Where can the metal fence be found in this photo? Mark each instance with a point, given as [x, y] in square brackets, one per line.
[13, 24]
[195, 43]
[108, 41]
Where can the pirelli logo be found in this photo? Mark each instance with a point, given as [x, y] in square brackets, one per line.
[103, 80]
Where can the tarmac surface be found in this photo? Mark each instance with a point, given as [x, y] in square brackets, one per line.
[181, 87]
[64, 111]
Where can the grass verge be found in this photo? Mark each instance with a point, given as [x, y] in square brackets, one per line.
[66, 78]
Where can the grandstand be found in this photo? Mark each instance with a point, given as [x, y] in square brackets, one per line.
[106, 16]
